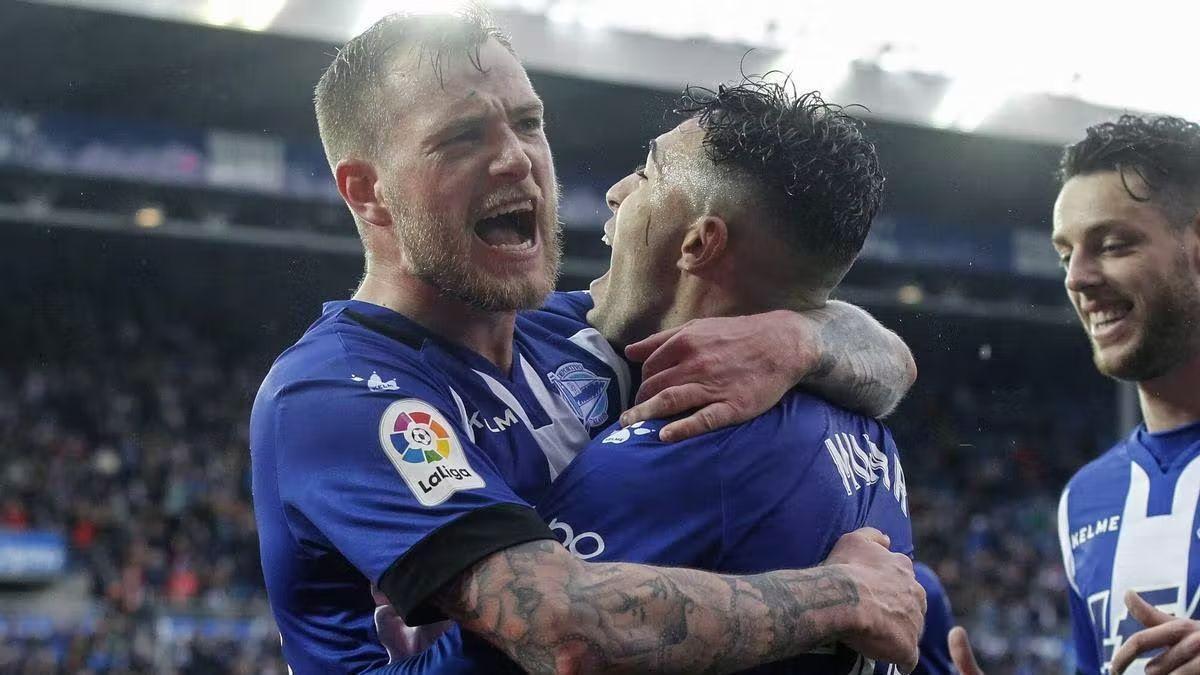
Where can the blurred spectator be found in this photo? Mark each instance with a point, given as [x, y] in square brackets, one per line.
[132, 443]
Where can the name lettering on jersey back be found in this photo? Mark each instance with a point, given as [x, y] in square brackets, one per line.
[1092, 530]
[870, 466]
[494, 424]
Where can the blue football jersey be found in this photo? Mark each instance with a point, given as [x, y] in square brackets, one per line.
[935, 641]
[1127, 521]
[773, 493]
[385, 457]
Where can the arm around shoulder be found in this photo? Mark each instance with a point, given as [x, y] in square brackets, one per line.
[552, 613]
[857, 362]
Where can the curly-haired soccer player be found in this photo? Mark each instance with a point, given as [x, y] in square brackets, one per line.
[1127, 229]
[761, 200]
[400, 444]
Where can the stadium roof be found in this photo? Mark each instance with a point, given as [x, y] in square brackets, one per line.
[1024, 68]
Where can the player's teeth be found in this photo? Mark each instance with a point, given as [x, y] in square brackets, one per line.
[528, 243]
[510, 209]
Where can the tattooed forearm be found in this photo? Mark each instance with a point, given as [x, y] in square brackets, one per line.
[861, 364]
[552, 613]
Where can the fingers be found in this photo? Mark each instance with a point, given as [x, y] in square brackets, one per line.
[1190, 668]
[641, 350]
[1162, 635]
[1186, 652]
[653, 384]
[874, 535]
[681, 353]
[704, 420]
[1149, 615]
[961, 652]
[667, 403]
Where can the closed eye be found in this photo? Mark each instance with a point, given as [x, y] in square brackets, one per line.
[464, 136]
[530, 124]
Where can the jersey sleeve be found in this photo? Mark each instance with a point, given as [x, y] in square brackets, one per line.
[1087, 652]
[630, 497]
[1087, 656]
[390, 481]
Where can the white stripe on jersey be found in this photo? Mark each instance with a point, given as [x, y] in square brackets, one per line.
[462, 410]
[1064, 540]
[591, 340]
[560, 440]
[1152, 551]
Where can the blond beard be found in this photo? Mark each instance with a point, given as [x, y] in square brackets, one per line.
[435, 256]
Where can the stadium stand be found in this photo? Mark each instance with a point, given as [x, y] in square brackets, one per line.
[129, 353]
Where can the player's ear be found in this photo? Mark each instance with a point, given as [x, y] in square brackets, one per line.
[704, 243]
[358, 183]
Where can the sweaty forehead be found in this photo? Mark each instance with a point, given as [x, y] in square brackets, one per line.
[684, 141]
[455, 84]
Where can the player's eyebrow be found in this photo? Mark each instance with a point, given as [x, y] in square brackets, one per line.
[452, 127]
[532, 108]
[1092, 231]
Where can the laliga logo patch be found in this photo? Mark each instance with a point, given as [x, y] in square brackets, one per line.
[423, 448]
[584, 391]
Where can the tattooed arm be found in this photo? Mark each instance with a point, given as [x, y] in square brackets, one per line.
[860, 364]
[552, 613]
[730, 369]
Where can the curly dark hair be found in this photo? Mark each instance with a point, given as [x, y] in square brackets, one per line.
[820, 176]
[1163, 151]
[349, 96]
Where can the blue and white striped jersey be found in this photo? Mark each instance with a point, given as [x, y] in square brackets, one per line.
[1128, 521]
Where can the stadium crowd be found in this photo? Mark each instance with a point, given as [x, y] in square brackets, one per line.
[128, 436]
[123, 426]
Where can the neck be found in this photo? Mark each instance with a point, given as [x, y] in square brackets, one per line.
[1172, 400]
[704, 298]
[490, 334]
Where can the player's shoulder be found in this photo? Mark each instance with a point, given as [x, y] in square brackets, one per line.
[353, 347]
[796, 417]
[639, 448]
[573, 305]
[564, 314]
[1113, 464]
[801, 419]
[618, 439]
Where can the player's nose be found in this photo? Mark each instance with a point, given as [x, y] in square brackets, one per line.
[511, 160]
[1083, 272]
[619, 191]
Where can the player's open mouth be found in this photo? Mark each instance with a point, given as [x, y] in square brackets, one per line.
[1105, 322]
[510, 227]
